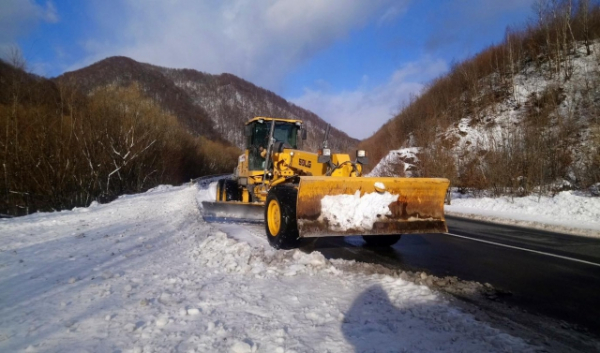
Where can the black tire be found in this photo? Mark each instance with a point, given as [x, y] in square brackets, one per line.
[381, 240]
[284, 236]
[231, 191]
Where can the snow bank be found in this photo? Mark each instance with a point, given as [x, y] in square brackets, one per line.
[568, 211]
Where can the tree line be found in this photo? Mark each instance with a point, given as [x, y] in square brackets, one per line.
[61, 149]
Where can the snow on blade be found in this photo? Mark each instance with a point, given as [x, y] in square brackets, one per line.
[356, 212]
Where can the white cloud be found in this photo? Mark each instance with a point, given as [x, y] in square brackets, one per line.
[392, 13]
[362, 111]
[259, 40]
[18, 17]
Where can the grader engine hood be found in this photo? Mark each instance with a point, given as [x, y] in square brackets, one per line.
[329, 206]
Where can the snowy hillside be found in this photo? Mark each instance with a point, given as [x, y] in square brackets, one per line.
[400, 162]
[525, 124]
[498, 123]
[231, 101]
[146, 274]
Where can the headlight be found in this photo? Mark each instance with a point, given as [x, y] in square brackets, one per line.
[361, 157]
[324, 155]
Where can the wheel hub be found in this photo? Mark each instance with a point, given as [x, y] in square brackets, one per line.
[274, 217]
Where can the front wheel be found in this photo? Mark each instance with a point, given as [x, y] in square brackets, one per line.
[280, 217]
[381, 240]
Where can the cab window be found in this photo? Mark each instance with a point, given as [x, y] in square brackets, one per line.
[258, 136]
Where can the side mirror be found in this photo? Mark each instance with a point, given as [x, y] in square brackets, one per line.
[304, 134]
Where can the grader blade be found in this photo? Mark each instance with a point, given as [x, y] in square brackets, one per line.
[329, 206]
[231, 211]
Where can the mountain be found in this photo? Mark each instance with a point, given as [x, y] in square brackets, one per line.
[122, 71]
[214, 106]
[519, 117]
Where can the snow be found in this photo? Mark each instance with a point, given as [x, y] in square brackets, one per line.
[345, 212]
[406, 157]
[146, 274]
[568, 211]
[498, 122]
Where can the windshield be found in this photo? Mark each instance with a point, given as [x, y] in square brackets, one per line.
[284, 132]
[258, 140]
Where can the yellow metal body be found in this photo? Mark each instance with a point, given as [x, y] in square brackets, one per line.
[416, 204]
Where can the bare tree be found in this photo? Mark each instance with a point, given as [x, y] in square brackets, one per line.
[584, 8]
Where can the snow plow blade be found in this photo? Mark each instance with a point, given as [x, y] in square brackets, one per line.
[330, 206]
[232, 211]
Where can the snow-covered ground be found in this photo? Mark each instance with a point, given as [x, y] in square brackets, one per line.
[146, 274]
[568, 211]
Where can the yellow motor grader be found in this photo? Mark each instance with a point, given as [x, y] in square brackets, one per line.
[299, 194]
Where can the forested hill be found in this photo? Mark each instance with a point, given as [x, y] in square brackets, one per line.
[60, 148]
[214, 106]
[519, 117]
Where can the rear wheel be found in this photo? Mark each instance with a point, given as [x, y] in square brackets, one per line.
[220, 190]
[231, 192]
[381, 240]
[280, 217]
[227, 190]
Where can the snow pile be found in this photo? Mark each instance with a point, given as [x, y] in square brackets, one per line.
[233, 256]
[406, 157]
[568, 211]
[146, 274]
[355, 212]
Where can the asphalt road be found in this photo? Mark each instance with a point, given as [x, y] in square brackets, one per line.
[557, 275]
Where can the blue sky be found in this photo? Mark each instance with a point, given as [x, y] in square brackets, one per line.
[353, 62]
